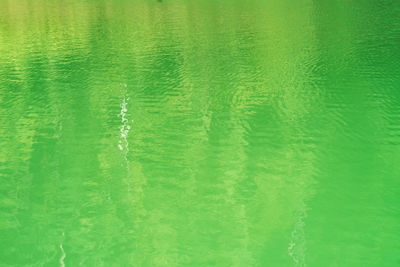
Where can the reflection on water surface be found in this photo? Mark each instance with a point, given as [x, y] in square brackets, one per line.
[199, 133]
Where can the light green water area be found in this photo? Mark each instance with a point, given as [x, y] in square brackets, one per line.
[199, 133]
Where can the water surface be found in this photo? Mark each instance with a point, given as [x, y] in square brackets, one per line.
[199, 133]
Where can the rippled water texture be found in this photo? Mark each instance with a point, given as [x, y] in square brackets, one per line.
[199, 133]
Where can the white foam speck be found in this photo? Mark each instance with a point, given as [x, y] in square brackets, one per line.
[297, 244]
[62, 264]
[125, 127]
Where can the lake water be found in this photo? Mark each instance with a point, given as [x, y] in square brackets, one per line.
[199, 133]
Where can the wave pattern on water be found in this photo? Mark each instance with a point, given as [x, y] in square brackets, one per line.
[265, 133]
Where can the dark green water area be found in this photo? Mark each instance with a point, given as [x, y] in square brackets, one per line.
[199, 133]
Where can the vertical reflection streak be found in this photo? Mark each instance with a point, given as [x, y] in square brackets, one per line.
[125, 127]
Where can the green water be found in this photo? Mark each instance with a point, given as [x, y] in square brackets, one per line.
[199, 133]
